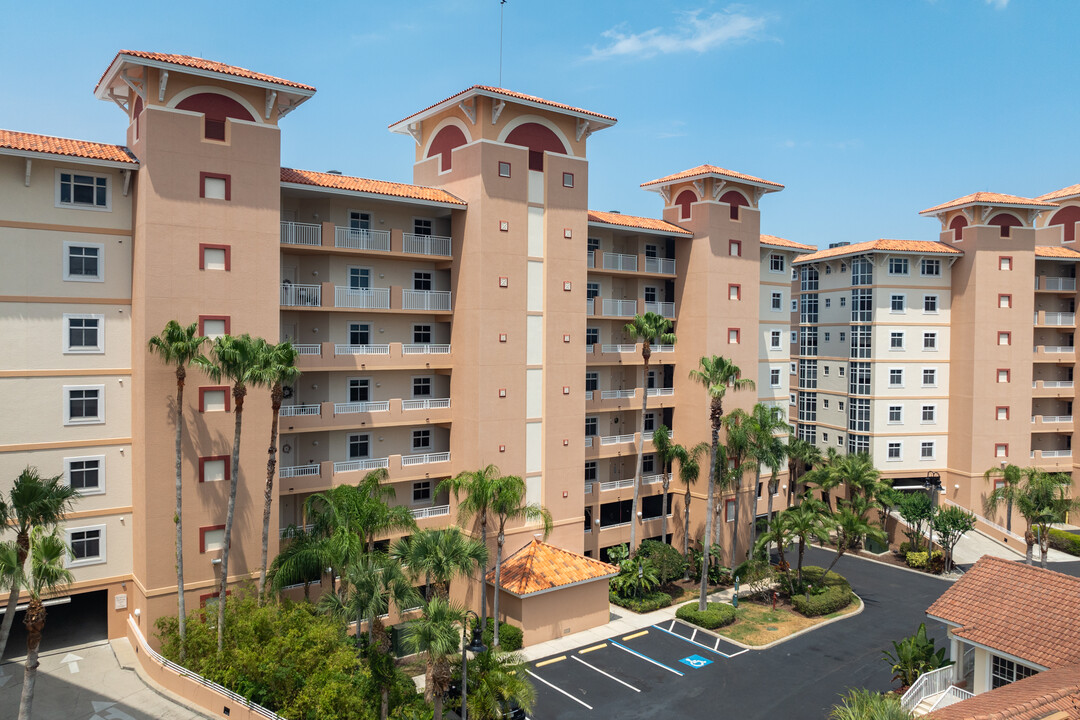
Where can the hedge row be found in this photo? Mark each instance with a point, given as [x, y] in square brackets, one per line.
[1065, 541]
[646, 603]
[716, 615]
[829, 593]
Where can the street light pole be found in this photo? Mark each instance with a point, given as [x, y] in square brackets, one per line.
[476, 646]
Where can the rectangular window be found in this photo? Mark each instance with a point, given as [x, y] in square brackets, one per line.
[1002, 412]
[650, 421]
[733, 336]
[421, 281]
[827, 335]
[828, 302]
[929, 341]
[774, 377]
[734, 248]
[590, 470]
[421, 334]
[825, 370]
[1003, 375]
[214, 468]
[422, 226]
[82, 190]
[1001, 450]
[359, 277]
[896, 303]
[592, 381]
[926, 450]
[1004, 301]
[85, 474]
[84, 262]
[862, 272]
[211, 538]
[84, 333]
[824, 437]
[590, 427]
[592, 336]
[840, 371]
[359, 334]
[794, 305]
[931, 268]
[929, 414]
[776, 263]
[843, 301]
[504, 169]
[896, 341]
[592, 290]
[421, 387]
[825, 403]
[648, 463]
[729, 510]
[214, 186]
[734, 292]
[794, 336]
[896, 413]
[359, 390]
[1004, 262]
[1003, 672]
[87, 545]
[1004, 338]
[776, 302]
[930, 304]
[359, 446]
[214, 398]
[421, 491]
[568, 180]
[929, 377]
[214, 326]
[359, 220]
[791, 399]
[895, 450]
[84, 404]
[896, 377]
[215, 257]
[898, 266]
[421, 440]
[774, 339]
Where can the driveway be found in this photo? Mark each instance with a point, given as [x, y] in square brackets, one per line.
[662, 673]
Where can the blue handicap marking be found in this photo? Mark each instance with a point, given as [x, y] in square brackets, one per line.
[696, 661]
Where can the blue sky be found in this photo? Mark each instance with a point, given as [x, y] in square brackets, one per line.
[867, 110]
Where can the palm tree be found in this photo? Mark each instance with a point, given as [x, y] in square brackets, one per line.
[435, 634]
[765, 449]
[800, 454]
[1011, 477]
[374, 580]
[510, 506]
[648, 328]
[858, 473]
[497, 680]
[440, 556]
[276, 369]
[716, 374]
[377, 516]
[480, 488]
[780, 533]
[235, 359]
[301, 559]
[1043, 501]
[180, 346]
[808, 520]
[689, 469]
[851, 528]
[737, 425]
[35, 502]
[47, 576]
[667, 452]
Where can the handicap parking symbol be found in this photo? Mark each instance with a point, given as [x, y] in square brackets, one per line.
[696, 661]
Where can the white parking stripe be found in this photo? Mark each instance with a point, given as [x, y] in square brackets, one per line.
[646, 659]
[593, 667]
[558, 689]
[700, 645]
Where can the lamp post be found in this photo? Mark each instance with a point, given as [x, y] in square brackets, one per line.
[476, 646]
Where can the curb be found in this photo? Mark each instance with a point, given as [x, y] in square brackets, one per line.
[152, 685]
[905, 569]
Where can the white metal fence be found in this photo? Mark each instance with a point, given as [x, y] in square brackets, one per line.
[356, 239]
[363, 298]
[301, 295]
[425, 299]
[294, 233]
[425, 244]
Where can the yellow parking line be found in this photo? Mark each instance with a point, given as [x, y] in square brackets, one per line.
[636, 635]
[552, 660]
[594, 647]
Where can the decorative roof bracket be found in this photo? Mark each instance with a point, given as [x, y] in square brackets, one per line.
[665, 192]
[27, 181]
[162, 82]
[469, 110]
[284, 110]
[496, 110]
[127, 181]
[718, 186]
[987, 209]
[271, 98]
[416, 129]
[583, 129]
[758, 194]
[135, 84]
[120, 102]
[699, 185]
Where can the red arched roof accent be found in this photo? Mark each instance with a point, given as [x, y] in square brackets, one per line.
[137, 107]
[957, 226]
[1005, 221]
[685, 198]
[445, 141]
[538, 139]
[735, 199]
[1067, 216]
[215, 108]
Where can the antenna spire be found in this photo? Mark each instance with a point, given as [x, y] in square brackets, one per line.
[501, 4]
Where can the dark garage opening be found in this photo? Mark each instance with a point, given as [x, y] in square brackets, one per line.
[82, 620]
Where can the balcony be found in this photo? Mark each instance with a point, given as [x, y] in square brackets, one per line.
[616, 484]
[1055, 353]
[299, 411]
[618, 439]
[362, 465]
[663, 309]
[425, 300]
[414, 244]
[361, 349]
[362, 298]
[425, 459]
[362, 407]
[350, 415]
[625, 353]
[660, 392]
[590, 259]
[616, 394]
[588, 489]
[1051, 423]
[420, 349]
[425, 404]
[1055, 319]
[391, 356]
[1052, 460]
[1056, 284]
[311, 349]
[616, 261]
[359, 239]
[1052, 388]
[430, 512]
[395, 243]
[660, 266]
[590, 306]
[294, 233]
[620, 308]
[293, 295]
[624, 348]
[298, 471]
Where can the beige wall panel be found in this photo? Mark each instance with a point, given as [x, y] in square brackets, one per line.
[35, 337]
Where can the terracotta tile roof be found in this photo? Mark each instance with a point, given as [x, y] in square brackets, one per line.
[913, 246]
[702, 170]
[29, 142]
[1027, 612]
[1056, 251]
[1032, 698]
[987, 198]
[375, 187]
[538, 567]
[1070, 191]
[201, 64]
[489, 90]
[633, 221]
[774, 241]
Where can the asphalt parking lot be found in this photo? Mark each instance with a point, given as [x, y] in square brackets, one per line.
[668, 668]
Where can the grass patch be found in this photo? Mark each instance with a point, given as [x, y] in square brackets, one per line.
[757, 624]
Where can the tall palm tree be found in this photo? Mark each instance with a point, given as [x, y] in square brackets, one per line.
[480, 488]
[375, 580]
[179, 345]
[435, 634]
[440, 556]
[689, 469]
[497, 679]
[666, 452]
[1043, 500]
[851, 527]
[808, 520]
[377, 516]
[737, 448]
[235, 359]
[767, 449]
[858, 473]
[34, 502]
[48, 575]
[648, 328]
[301, 559]
[510, 506]
[716, 374]
[800, 454]
[276, 368]
[1011, 477]
[779, 533]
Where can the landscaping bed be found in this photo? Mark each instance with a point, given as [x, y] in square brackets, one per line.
[758, 624]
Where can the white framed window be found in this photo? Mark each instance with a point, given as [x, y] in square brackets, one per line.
[896, 377]
[774, 377]
[825, 370]
[839, 441]
[421, 386]
[840, 406]
[827, 335]
[791, 399]
[896, 341]
[929, 341]
[896, 414]
[84, 333]
[794, 305]
[504, 169]
[84, 261]
[896, 303]
[359, 446]
[774, 339]
[423, 226]
[927, 450]
[777, 302]
[794, 336]
[86, 474]
[83, 190]
[824, 437]
[421, 491]
[895, 451]
[359, 333]
[825, 403]
[359, 220]
[929, 377]
[84, 404]
[87, 545]
[421, 440]
[843, 301]
[776, 263]
[421, 334]
[842, 370]
[843, 336]
[930, 304]
[898, 266]
[929, 414]
[931, 268]
[828, 302]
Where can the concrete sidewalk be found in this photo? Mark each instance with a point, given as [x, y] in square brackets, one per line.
[973, 545]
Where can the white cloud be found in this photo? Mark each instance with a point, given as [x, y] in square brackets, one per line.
[695, 32]
[999, 4]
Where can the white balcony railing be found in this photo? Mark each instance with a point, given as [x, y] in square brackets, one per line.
[356, 239]
[298, 471]
[660, 392]
[1056, 383]
[294, 233]
[425, 299]
[624, 348]
[425, 459]
[1056, 453]
[362, 349]
[301, 295]
[425, 404]
[616, 484]
[927, 684]
[365, 464]
[308, 349]
[588, 440]
[362, 298]
[418, 349]
[664, 266]
[590, 306]
[300, 410]
[425, 244]
[590, 259]
[306, 528]
[1059, 283]
[616, 439]
[1054, 418]
[663, 348]
[1056, 348]
[1058, 318]
[588, 394]
[430, 512]
[617, 261]
[620, 308]
[615, 394]
[663, 309]
[652, 479]
[361, 407]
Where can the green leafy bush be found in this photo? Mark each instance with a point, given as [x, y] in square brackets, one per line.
[510, 636]
[904, 549]
[1065, 541]
[918, 560]
[716, 615]
[646, 603]
[666, 560]
[825, 593]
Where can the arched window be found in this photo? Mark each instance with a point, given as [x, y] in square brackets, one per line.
[957, 226]
[444, 143]
[538, 139]
[1068, 217]
[684, 200]
[735, 199]
[1005, 221]
[216, 108]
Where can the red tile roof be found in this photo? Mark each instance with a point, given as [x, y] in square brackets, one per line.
[201, 64]
[1027, 612]
[1068, 192]
[489, 90]
[1056, 251]
[633, 221]
[29, 142]
[375, 187]
[913, 246]
[774, 241]
[1033, 698]
[988, 198]
[705, 170]
[538, 567]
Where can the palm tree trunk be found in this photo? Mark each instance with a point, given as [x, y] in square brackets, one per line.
[238, 397]
[181, 607]
[768, 507]
[754, 506]
[1044, 546]
[35, 624]
[1029, 556]
[23, 543]
[498, 586]
[268, 493]
[735, 524]
[384, 708]
[663, 509]
[483, 576]
[438, 706]
[802, 549]
[703, 598]
[686, 533]
[640, 450]
[1008, 514]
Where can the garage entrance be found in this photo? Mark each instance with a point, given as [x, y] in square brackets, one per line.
[69, 621]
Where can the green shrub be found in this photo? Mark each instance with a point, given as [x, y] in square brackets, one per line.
[716, 615]
[1065, 541]
[510, 636]
[904, 549]
[646, 603]
[825, 593]
[918, 560]
[814, 575]
[936, 564]
[666, 560]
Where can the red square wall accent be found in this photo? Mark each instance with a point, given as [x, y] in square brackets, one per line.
[1004, 375]
[204, 318]
[504, 282]
[566, 338]
[502, 392]
[203, 247]
[1005, 262]
[1001, 450]
[504, 226]
[734, 292]
[735, 248]
[224, 388]
[217, 176]
[565, 389]
[502, 337]
[567, 233]
[202, 535]
[204, 460]
[1001, 412]
[502, 448]
[565, 442]
[567, 286]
